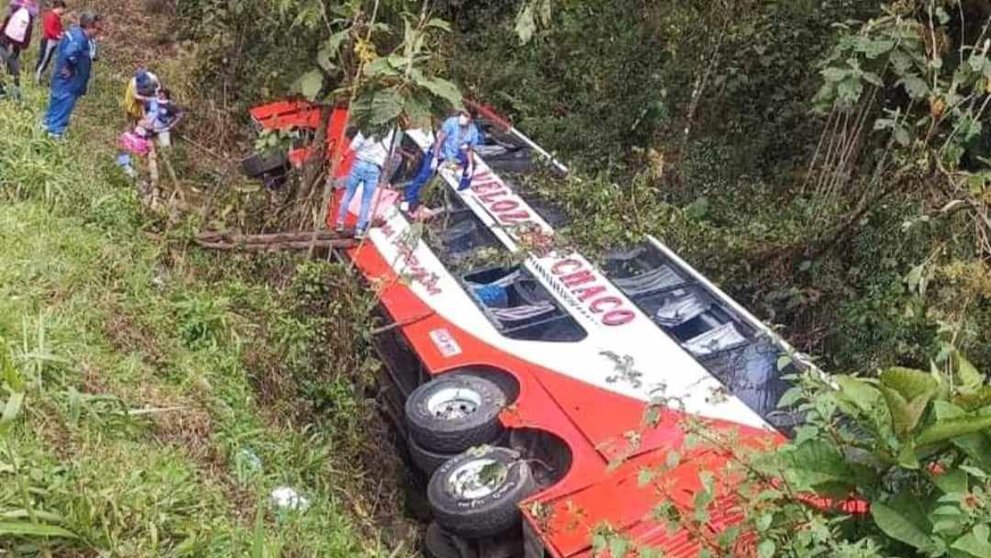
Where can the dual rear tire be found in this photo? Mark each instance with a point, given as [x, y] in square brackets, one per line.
[455, 412]
[477, 494]
[475, 487]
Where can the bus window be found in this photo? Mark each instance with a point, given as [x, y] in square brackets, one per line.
[458, 234]
[737, 353]
[520, 307]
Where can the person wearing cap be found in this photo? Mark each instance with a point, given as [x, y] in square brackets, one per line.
[73, 64]
[455, 142]
[370, 155]
[141, 90]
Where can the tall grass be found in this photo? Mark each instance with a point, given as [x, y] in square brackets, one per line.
[136, 375]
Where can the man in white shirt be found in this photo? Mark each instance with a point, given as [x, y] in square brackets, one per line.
[370, 158]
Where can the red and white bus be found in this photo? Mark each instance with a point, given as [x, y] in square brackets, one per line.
[520, 374]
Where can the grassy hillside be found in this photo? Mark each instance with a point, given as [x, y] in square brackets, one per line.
[167, 392]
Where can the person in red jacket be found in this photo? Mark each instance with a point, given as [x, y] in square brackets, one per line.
[51, 34]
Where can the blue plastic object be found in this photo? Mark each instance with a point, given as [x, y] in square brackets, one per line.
[492, 295]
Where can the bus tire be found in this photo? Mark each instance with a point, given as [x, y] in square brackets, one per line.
[455, 412]
[426, 460]
[477, 494]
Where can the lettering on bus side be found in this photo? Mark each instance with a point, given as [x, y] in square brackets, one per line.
[411, 268]
[500, 201]
[591, 290]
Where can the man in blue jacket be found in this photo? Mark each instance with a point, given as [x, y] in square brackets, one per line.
[73, 64]
[455, 143]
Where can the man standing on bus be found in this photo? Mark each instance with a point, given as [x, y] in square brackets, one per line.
[455, 142]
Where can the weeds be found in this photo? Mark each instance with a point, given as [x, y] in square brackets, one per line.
[136, 376]
[21, 519]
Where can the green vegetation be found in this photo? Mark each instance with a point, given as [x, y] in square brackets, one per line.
[153, 395]
[825, 161]
[896, 465]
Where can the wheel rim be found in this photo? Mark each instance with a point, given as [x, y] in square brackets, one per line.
[454, 403]
[477, 479]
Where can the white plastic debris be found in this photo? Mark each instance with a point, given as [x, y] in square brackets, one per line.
[286, 498]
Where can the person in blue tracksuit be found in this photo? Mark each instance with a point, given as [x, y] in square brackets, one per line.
[73, 63]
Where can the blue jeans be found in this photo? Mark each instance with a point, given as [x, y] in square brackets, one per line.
[412, 192]
[59, 110]
[363, 174]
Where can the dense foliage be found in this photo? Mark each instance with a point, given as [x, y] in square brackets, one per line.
[825, 160]
[754, 151]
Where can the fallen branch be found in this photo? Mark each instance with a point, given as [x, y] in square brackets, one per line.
[275, 246]
[229, 236]
[271, 242]
[404, 323]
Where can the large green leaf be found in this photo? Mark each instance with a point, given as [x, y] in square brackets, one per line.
[27, 529]
[910, 383]
[954, 481]
[969, 377]
[386, 105]
[972, 400]
[418, 110]
[977, 447]
[858, 397]
[330, 51]
[898, 527]
[380, 67]
[872, 48]
[310, 84]
[815, 464]
[850, 90]
[975, 543]
[334, 42]
[907, 393]
[441, 88]
[857, 391]
[946, 430]
[915, 86]
[946, 410]
[905, 415]
[908, 458]
[908, 505]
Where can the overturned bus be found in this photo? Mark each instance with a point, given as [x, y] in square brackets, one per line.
[519, 375]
